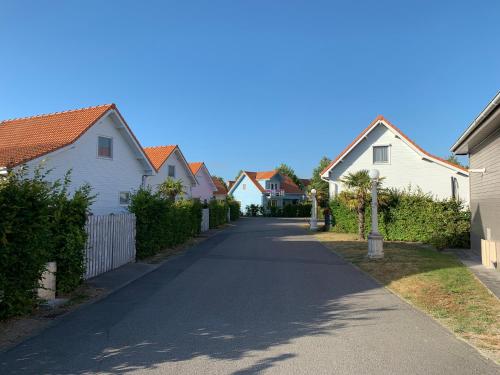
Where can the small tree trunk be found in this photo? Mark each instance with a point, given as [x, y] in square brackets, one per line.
[361, 220]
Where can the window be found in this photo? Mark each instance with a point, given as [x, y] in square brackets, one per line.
[244, 186]
[105, 147]
[124, 198]
[171, 171]
[380, 154]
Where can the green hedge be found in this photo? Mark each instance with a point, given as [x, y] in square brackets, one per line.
[411, 216]
[235, 208]
[218, 213]
[297, 210]
[39, 223]
[161, 223]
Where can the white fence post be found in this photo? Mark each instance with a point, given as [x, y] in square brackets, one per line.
[110, 242]
[205, 219]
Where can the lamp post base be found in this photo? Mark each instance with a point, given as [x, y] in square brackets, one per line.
[375, 246]
[314, 225]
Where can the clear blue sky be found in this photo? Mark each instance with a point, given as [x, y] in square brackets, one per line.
[251, 84]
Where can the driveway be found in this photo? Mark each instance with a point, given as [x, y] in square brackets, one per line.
[262, 296]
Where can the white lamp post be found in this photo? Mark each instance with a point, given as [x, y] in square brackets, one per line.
[314, 217]
[375, 240]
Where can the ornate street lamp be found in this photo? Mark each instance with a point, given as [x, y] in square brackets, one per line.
[375, 240]
[314, 210]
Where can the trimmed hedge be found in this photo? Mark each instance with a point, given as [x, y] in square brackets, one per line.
[235, 209]
[218, 213]
[162, 223]
[411, 216]
[39, 223]
[290, 210]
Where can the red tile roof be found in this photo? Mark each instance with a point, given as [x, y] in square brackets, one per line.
[287, 183]
[159, 154]
[24, 139]
[253, 177]
[390, 125]
[265, 175]
[289, 186]
[195, 166]
[221, 188]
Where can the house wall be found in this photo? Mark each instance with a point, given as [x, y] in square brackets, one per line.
[406, 167]
[108, 177]
[204, 188]
[485, 191]
[248, 195]
[181, 173]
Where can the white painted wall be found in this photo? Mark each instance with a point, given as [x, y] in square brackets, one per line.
[204, 189]
[108, 177]
[181, 173]
[406, 167]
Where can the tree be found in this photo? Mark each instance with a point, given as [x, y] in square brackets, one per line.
[171, 188]
[320, 185]
[453, 159]
[221, 180]
[357, 195]
[288, 171]
[239, 174]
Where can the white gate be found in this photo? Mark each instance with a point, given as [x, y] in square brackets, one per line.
[110, 242]
[205, 219]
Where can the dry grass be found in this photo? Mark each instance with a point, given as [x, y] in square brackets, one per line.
[436, 283]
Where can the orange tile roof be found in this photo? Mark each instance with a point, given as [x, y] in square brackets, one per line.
[289, 186]
[388, 123]
[221, 188]
[253, 177]
[24, 139]
[265, 175]
[195, 166]
[159, 154]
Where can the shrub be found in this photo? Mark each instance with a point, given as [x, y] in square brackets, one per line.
[302, 209]
[162, 223]
[235, 209]
[253, 210]
[39, 223]
[218, 213]
[411, 216]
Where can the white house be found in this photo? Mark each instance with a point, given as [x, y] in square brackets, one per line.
[95, 143]
[400, 161]
[169, 161]
[205, 187]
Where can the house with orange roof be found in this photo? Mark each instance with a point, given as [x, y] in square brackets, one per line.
[400, 161]
[169, 161]
[266, 189]
[221, 192]
[95, 143]
[205, 186]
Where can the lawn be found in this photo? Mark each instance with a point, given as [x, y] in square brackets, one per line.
[435, 282]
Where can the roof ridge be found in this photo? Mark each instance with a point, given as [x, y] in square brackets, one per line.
[58, 113]
[161, 146]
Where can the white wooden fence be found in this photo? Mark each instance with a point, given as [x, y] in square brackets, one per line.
[110, 242]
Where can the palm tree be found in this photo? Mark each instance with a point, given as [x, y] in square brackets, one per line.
[171, 188]
[357, 196]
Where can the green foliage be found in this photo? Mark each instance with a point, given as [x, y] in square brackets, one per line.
[171, 188]
[302, 209]
[235, 208]
[162, 223]
[290, 172]
[218, 213]
[411, 216]
[453, 159]
[253, 210]
[320, 185]
[39, 223]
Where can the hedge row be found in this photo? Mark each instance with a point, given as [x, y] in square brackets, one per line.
[235, 209]
[39, 223]
[411, 216]
[162, 223]
[218, 213]
[290, 210]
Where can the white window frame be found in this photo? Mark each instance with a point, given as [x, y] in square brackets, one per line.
[112, 148]
[168, 170]
[388, 154]
[120, 198]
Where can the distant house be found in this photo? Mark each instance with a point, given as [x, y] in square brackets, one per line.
[205, 187]
[221, 192]
[400, 161]
[265, 189]
[169, 161]
[481, 141]
[95, 143]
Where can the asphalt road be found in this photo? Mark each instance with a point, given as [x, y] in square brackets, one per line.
[261, 297]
